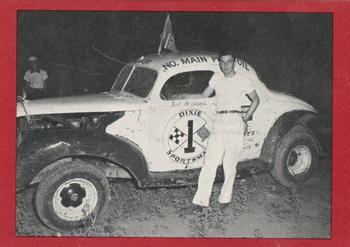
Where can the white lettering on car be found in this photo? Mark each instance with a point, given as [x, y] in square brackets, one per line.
[242, 63]
[169, 65]
[184, 61]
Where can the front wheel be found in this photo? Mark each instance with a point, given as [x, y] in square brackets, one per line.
[73, 195]
[297, 158]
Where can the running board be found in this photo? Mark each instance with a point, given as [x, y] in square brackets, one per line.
[190, 176]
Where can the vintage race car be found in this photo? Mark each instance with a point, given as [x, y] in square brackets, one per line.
[143, 129]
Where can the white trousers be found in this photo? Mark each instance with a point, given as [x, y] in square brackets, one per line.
[224, 146]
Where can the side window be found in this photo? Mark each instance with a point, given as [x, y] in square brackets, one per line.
[193, 82]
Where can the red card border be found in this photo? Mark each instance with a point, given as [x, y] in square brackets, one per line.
[341, 84]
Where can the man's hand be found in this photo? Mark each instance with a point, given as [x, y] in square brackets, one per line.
[177, 96]
[24, 94]
[245, 126]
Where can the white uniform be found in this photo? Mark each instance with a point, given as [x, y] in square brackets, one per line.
[225, 141]
[36, 79]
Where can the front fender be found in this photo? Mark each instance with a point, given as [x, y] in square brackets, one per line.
[42, 147]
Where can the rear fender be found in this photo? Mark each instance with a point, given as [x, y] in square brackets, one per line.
[305, 119]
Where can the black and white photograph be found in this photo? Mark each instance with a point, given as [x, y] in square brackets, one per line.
[174, 124]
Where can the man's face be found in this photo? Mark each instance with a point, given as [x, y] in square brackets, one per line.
[34, 65]
[226, 64]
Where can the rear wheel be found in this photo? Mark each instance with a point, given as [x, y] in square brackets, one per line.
[75, 194]
[297, 158]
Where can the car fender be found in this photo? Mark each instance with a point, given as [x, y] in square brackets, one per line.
[43, 147]
[282, 125]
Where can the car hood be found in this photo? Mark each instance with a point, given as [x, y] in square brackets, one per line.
[101, 102]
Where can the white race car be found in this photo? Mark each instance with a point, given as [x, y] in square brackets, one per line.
[144, 130]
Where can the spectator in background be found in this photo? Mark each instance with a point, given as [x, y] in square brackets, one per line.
[35, 80]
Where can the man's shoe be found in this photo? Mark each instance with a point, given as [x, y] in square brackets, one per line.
[223, 207]
[192, 209]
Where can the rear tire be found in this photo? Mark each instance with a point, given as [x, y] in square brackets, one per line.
[74, 195]
[297, 160]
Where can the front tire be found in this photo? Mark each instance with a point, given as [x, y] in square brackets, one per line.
[297, 158]
[75, 194]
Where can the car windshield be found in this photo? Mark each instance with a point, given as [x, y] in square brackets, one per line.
[135, 80]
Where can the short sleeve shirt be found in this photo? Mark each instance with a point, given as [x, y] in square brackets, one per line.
[35, 79]
[230, 92]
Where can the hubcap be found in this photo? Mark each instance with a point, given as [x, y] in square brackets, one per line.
[75, 199]
[299, 160]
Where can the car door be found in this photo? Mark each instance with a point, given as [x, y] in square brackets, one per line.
[180, 125]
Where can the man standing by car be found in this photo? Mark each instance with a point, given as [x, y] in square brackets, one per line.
[229, 128]
[35, 80]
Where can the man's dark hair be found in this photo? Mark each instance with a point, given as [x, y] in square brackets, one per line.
[225, 53]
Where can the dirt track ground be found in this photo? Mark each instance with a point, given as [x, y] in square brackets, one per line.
[260, 209]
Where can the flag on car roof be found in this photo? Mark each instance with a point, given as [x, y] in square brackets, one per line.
[167, 39]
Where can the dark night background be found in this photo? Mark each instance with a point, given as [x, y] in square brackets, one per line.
[292, 52]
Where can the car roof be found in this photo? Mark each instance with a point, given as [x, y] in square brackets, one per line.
[165, 61]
